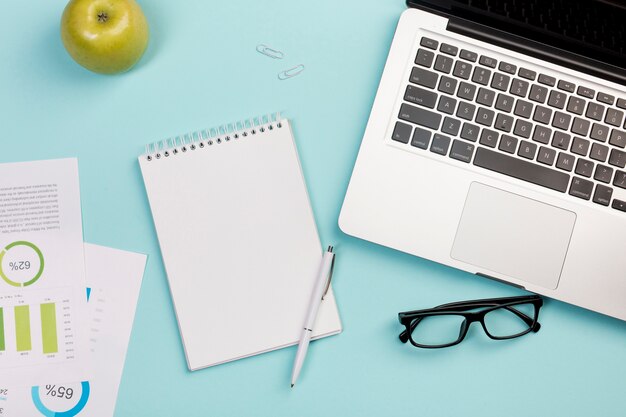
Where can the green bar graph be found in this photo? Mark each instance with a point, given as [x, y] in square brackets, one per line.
[22, 328]
[2, 344]
[49, 328]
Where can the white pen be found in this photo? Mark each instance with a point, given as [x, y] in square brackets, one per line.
[321, 287]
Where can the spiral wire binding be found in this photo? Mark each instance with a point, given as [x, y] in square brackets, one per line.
[208, 137]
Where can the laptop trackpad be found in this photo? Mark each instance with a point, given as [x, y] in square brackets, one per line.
[513, 235]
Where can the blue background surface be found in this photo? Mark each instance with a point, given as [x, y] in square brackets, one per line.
[201, 69]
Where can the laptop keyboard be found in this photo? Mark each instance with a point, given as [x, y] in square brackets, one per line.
[515, 121]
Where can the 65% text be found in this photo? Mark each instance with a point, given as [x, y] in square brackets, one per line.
[59, 392]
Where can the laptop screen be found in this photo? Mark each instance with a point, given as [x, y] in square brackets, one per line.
[591, 28]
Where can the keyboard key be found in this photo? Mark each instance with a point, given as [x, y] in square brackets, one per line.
[619, 205]
[519, 87]
[557, 99]
[542, 134]
[470, 132]
[521, 169]
[565, 161]
[429, 43]
[420, 116]
[500, 81]
[527, 150]
[618, 138]
[599, 132]
[423, 77]
[504, 122]
[504, 102]
[617, 158]
[485, 116]
[506, 67]
[489, 138]
[462, 70]
[576, 105]
[485, 97]
[580, 146]
[566, 86]
[621, 103]
[620, 179]
[466, 91]
[508, 144]
[421, 138]
[523, 108]
[440, 144]
[449, 49]
[466, 111]
[443, 64]
[547, 80]
[602, 195]
[424, 57]
[470, 56]
[488, 62]
[542, 115]
[586, 92]
[581, 188]
[561, 140]
[446, 104]
[546, 155]
[614, 117]
[420, 96]
[481, 76]
[401, 132]
[451, 126]
[523, 128]
[603, 174]
[584, 168]
[580, 126]
[605, 98]
[526, 73]
[538, 93]
[447, 85]
[462, 151]
[561, 120]
[595, 111]
[599, 152]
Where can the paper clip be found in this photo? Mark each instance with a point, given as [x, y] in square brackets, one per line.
[291, 72]
[267, 51]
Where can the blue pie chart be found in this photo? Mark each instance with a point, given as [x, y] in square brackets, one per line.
[84, 397]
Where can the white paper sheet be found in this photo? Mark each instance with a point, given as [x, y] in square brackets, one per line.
[42, 273]
[114, 280]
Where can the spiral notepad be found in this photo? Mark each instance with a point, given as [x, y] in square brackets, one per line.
[238, 239]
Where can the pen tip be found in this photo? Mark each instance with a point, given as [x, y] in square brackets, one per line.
[292, 385]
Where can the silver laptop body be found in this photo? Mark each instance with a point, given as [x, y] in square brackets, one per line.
[498, 176]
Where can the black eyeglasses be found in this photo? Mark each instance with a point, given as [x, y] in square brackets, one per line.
[447, 324]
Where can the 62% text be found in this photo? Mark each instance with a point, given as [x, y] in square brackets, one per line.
[19, 265]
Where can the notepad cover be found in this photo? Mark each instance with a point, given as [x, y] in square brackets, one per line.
[239, 244]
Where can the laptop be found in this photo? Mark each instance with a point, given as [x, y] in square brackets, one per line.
[496, 145]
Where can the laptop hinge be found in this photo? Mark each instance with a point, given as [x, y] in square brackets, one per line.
[536, 49]
[480, 274]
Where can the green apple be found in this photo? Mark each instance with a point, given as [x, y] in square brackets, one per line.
[105, 36]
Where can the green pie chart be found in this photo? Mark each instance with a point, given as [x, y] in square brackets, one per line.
[5, 272]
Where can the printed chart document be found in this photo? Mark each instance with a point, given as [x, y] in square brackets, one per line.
[113, 283]
[42, 274]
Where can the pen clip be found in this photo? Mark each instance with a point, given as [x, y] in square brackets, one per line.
[330, 274]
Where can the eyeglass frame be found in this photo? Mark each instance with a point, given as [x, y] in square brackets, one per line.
[407, 318]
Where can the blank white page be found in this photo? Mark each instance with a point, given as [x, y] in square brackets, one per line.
[239, 244]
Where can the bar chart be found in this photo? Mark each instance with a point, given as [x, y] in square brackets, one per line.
[35, 329]
[24, 328]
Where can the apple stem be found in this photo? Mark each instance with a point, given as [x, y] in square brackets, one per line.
[103, 17]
